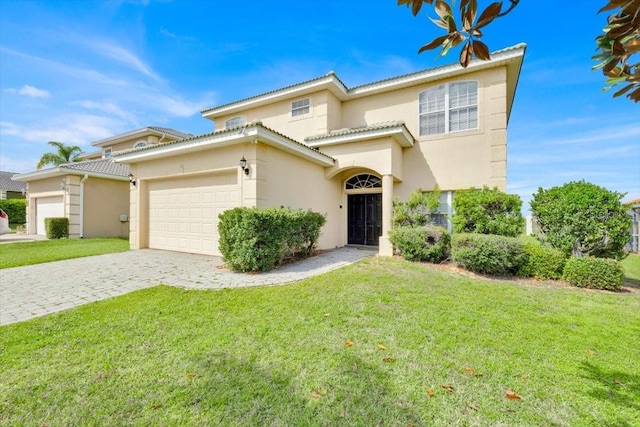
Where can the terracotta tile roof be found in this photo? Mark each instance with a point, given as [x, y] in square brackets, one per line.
[6, 183]
[102, 167]
[358, 129]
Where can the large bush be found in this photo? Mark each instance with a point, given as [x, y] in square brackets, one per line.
[56, 227]
[487, 211]
[594, 273]
[16, 209]
[425, 243]
[253, 239]
[417, 210]
[543, 262]
[580, 218]
[488, 254]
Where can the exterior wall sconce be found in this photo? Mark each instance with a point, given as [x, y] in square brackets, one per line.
[132, 180]
[243, 166]
[63, 185]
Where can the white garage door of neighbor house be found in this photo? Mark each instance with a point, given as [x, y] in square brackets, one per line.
[183, 213]
[47, 207]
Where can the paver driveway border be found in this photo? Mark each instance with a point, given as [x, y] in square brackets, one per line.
[36, 290]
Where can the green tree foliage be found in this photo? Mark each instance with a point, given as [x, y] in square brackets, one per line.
[64, 154]
[487, 211]
[581, 218]
[417, 210]
[16, 209]
[620, 41]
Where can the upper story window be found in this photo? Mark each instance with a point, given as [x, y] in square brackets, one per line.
[107, 153]
[140, 144]
[234, 122]
[301, 107]
[449, 108]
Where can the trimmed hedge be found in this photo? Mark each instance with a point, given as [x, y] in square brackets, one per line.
[487, 211]
[252, 239]
[57, 228]
[16, 209]
[425, 243]
[543, 262]
[594, 273]
[488, 253]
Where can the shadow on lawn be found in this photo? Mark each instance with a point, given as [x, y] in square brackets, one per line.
[244, 392]
[632, 283]
[619, 388]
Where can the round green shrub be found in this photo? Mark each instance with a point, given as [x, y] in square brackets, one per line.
[487, 211]
[428, 243]
[487, 253]
[594, 273]
[543, 262]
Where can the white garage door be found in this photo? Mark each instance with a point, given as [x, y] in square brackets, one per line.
[47, 207]
[183, 213]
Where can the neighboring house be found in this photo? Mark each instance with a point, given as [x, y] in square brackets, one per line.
[634, 212]
[10, 189]
[344, 152]
[93, 193]
[139, 138]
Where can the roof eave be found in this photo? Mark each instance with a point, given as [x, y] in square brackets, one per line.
[131, 135]
[62, 171]
[330, 83]
[399, 133]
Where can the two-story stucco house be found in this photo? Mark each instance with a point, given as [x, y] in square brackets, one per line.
[320, 145]
[93, 193]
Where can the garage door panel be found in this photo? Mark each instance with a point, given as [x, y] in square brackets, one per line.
[183, 214]
[47, 207]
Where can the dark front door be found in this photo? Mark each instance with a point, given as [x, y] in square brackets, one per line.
[365, 219]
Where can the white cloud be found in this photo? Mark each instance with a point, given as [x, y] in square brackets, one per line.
[108, 107]
[125, 57]
[77, 129]
[34, 92]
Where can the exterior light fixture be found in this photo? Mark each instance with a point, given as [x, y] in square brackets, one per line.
[63, 185]
[132, 180]
[243, 165]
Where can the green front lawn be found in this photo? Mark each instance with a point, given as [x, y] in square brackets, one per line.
[27, 253]
[381, 342]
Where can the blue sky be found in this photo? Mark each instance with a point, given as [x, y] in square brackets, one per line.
[80, 71]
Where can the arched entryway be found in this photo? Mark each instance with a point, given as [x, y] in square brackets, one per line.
[364, 209]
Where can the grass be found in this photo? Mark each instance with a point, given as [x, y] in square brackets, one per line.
[631, 266]
[278, 356]
[26, 253]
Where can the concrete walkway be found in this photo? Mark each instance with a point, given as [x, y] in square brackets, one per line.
[37, 290]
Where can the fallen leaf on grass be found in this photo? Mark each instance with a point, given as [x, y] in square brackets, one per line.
[355, 367]
[591, 352]
[190, 375]
[512, 395]
[523, 378]
[507, 410]
[317, 394]
[327, 314]
[619, 383]
[430, 393]
[382, 346]
[348, 343]
[469, 370]
[447, 387]
[472, 406]
[389, 359]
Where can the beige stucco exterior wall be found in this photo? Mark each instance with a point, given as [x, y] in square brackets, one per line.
[453, 161]
[324, 113]
[286, 180]
[104, 201]
[50, 187]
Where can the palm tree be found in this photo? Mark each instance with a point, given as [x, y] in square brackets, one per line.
[65, 154]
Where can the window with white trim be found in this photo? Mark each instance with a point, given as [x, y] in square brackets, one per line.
[107, 153]
[140, 144]
[450, 107]
[364, 180]
[234, 122]
[301, 107]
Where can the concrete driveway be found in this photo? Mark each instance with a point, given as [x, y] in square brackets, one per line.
[37, 290]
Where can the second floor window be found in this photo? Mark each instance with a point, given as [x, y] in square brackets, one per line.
[234, 122]
[107, 153]
[449, 108]
[299, 108]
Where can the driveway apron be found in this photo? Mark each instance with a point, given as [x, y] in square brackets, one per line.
[36, 290]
